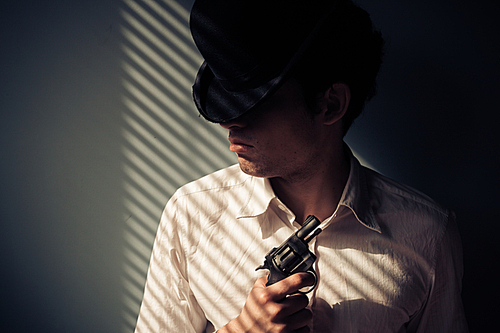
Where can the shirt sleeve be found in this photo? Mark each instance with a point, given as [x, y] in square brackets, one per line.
[168, 304]
[443, 311]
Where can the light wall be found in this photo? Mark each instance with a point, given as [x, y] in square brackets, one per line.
[165, 142]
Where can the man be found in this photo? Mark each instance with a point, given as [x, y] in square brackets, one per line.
[286, 79]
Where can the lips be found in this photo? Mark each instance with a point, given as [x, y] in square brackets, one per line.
[239, 146]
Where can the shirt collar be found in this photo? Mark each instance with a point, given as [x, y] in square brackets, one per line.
[355, 196]
[260, 196]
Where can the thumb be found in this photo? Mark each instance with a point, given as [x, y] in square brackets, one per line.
[261, 282]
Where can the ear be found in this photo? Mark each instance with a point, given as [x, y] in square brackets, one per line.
[335, 102]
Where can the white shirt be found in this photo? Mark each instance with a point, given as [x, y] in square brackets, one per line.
[390, 261]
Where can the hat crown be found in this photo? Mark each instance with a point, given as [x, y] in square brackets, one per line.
[247, 43]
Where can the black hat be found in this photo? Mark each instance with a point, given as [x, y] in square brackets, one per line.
[250, 48]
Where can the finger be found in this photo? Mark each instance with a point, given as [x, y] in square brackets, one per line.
[291, 285]
[299, 319]
[293, 304]
[304, 329]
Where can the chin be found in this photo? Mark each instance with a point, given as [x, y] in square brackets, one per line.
[252, 169]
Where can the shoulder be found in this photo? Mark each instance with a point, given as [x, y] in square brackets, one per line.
[405, 213]
[391, 193]
[224, 179]
[203, 201]
[412, 220]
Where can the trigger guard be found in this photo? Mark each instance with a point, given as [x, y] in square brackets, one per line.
[313, 273]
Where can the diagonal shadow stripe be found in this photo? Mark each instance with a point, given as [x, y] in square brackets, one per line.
[164, 142]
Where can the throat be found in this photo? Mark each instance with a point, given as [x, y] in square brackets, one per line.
[317, 195]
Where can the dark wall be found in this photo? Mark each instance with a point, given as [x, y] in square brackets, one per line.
[433, 124]
[60, 209]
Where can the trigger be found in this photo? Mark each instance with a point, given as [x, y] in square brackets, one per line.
[308, 289]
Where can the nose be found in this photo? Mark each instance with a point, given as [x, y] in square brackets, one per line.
[239, 122]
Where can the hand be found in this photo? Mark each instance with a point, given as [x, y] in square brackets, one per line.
[277, 308]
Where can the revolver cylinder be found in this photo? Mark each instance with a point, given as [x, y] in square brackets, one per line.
[293, 255]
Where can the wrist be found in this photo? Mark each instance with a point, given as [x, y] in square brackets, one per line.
[234, 326]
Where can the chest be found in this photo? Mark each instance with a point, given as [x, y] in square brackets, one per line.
[362, 279]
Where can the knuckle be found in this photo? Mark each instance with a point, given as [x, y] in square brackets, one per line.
[263, 298]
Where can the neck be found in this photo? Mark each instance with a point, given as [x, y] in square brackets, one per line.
[316, 192]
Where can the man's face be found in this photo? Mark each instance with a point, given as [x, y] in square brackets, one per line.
[278, 138]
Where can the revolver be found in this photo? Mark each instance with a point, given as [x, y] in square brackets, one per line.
[293, 255]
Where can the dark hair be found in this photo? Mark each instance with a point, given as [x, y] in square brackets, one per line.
[348, 50]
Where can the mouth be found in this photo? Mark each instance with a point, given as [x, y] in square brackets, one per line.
[239, 146]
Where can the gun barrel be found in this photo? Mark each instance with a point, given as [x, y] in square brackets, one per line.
[314, 234]
[309, 225]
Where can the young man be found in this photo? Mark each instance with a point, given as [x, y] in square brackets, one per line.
[286, 79]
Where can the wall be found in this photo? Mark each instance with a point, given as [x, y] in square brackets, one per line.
[97, 130]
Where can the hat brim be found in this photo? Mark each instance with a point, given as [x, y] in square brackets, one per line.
[218, 105]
